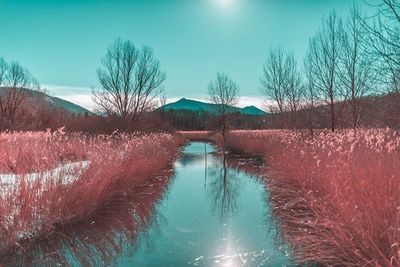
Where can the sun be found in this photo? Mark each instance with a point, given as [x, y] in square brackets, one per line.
[225, 3]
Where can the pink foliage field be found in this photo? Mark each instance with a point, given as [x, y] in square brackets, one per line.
[50, 181]
[337, 195]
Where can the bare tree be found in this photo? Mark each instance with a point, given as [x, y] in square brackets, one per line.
[273, 79]
[15, 82]
[294, 88]
[223, 93]
[310, 94]
[384, 41]
[357, 75]
[281, 82]
[3, 71]
[162, 101]
[323, 56]
[130, 80]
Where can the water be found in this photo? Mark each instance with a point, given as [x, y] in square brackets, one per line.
[211, 215]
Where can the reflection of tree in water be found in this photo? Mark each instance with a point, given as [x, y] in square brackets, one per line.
[254, 167]
[187, 158]
[225, 189]
[113, 230]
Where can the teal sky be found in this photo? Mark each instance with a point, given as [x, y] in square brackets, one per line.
[62, 42]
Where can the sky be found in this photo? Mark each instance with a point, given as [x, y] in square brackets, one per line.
[62, 42]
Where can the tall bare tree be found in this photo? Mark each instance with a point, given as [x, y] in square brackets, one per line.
[274, 78]
[294, 88]
[281, 83]
[324, 55]
[223, 92]
[310, 93]
[14, 82]
[384, 41]
[358, 76]
[130, 80]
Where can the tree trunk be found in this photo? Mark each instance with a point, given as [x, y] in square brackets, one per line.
[332, 105]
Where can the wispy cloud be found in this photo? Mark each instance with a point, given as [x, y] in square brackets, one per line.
[62, 90]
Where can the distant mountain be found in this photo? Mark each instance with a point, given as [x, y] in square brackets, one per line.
[53, 102]
[198, 106]
[252, 110]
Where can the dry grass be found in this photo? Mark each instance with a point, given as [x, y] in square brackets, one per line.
[106, 170]
[98, 241]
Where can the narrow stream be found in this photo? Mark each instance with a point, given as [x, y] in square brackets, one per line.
[212, 215]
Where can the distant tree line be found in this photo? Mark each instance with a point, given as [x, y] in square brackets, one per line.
[346, 61]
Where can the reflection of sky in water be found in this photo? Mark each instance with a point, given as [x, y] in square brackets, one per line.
[218, 217]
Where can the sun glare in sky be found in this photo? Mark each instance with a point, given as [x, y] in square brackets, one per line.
[225, 3]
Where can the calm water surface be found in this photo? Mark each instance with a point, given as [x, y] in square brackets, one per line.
[212, 215]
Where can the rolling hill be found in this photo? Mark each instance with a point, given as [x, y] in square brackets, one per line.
[62, 103]
[198, 106]
[52, 102]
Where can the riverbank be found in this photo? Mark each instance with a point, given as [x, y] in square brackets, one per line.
[51, 181]
[336, 195]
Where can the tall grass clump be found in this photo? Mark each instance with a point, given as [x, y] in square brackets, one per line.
[336, 195]
[51, 181]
